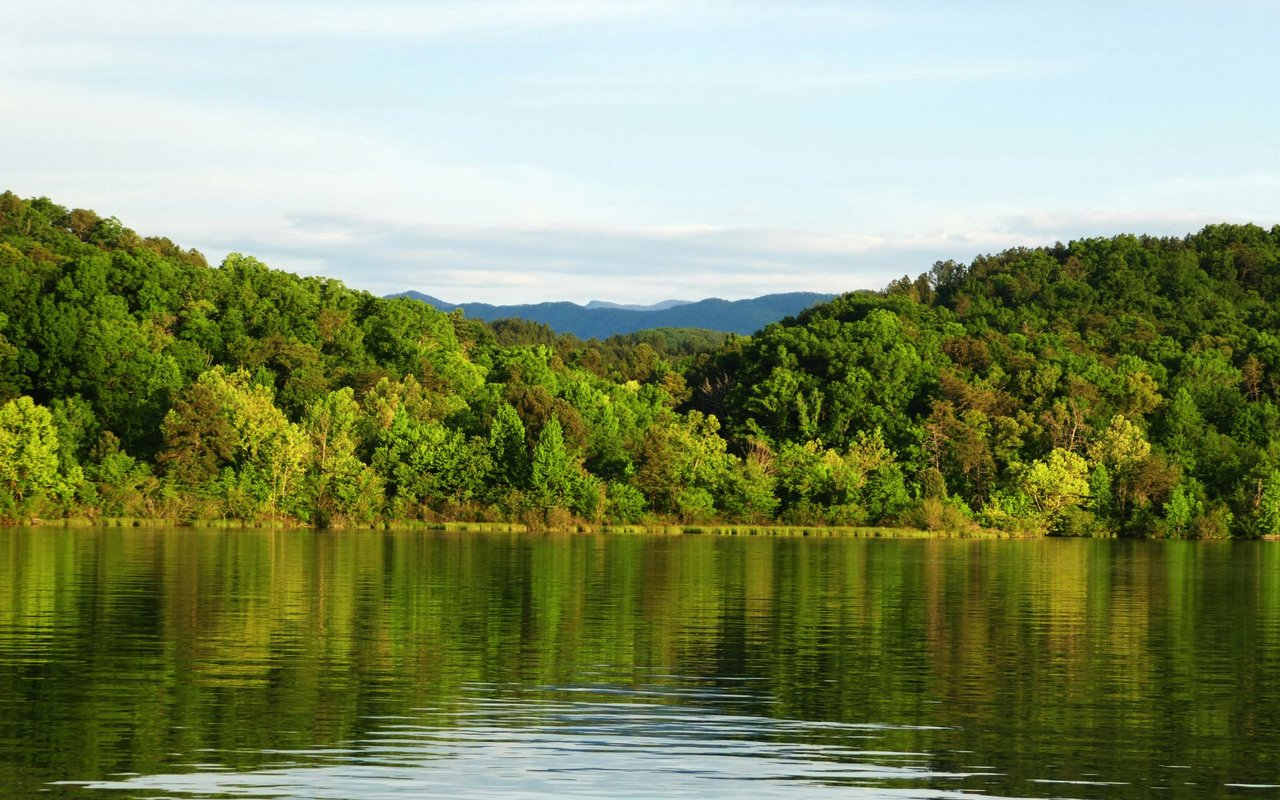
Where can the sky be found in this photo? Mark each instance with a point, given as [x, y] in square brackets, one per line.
[519, 151]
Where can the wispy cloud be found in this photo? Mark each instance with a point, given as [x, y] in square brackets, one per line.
[774, 77]
[777, 80]
[1169, 207]
[207, 18]
[200, 166]
[511, 264]
[1046, 226]
[301, 19]
[520, 263]
[503, 150]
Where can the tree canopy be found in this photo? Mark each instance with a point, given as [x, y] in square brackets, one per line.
[1106, 386]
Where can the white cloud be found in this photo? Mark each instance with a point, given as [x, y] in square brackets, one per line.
[507, 264]
[195, 169]
[303, 19]
[246, 18]
[1046, 226]
[775, 78]
[203, 121]
[504, 264]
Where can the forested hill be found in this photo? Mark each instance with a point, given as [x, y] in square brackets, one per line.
[137, 380]
[1110, 385]
[599, 322]
[1125, 385]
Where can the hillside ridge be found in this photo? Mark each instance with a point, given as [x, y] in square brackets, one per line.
[742, 317]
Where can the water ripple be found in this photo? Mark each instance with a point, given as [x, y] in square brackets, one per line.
[562, 747]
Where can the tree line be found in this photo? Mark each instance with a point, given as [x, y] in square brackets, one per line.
[1121, 385]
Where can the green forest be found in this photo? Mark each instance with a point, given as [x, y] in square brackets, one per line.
[1116, 386]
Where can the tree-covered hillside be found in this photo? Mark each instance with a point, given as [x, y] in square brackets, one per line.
[1115, 385]
[1126, 384]
[135, 379]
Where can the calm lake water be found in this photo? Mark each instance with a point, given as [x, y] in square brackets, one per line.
[186, 663]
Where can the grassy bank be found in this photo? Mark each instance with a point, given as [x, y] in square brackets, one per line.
[515, 527]
[844, 531]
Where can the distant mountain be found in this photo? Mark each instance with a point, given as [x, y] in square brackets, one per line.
[665, 304]
[600, 320]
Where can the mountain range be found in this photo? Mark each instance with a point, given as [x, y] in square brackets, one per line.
[600, 320]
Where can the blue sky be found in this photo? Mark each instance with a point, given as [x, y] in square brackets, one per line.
[636, 151]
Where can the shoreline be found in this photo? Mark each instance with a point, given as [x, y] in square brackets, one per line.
[656, 529]
[712, 529]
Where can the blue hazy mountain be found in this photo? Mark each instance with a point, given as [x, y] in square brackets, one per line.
[601, 320]
[665, 304]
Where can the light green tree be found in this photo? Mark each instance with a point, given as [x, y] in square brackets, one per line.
[551, 471]
[428, 466]
[508, 451]
[1121, 446]
[340, 484]
[28, 456]
[1268, 503]
[226, 426]
[1122, 449]
[1054, 483]
[679, 454]
[1181, 509]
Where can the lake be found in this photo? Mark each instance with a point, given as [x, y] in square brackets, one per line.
[303, 664]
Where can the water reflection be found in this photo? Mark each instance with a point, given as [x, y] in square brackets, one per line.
[302, 664]
[553, 746]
